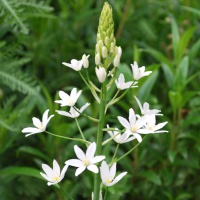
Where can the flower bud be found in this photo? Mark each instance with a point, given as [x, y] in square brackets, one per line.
[119, 51]
[85, 61]
[101, 74]
[112, 47]
[116, 61]
[97, 59]
[104, 52]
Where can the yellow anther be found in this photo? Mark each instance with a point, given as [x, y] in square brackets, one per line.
[108, 181]
[56, 178]
[150, 128]
[134, 128]
[86, 163]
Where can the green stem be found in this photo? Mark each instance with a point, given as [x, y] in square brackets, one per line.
[67, 138]
[97, 179]
[65, 192]
[84, 80]
[104, 198]
[115, 152]
[130, 150]
[79, 128]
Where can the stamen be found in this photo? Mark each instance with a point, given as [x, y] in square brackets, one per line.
[86, 163]
[134, 128]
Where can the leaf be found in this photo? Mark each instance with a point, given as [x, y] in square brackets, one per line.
[152, 176]
[194, 50]
[27, 171]
[33, 151]
[175, 99]
[169, 76]
[175, 37]
[146, 87]
[184, 196]
[171, 155]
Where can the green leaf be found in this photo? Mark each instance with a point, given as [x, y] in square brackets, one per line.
[185, 38]
[33, 151]
[169, 76]
[175, 99]
[145, 89]
[171, 155]
[184, 196]
[175, 37]
[194, 50]
[192, 10]
[27, 171]
[152, 176]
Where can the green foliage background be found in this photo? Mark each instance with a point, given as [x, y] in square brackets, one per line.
[37, 36]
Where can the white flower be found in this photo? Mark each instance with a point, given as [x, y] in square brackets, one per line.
[120, 83]
[40, 126]
[75, 64]
[68, 100]
[120, 138]
[72, 112]
[107, 175]
[101, 74]
[85, 61]
[97, 59]
[85, 160]
[53, 176]
[151, 127]
[116, 61]
[133, 125]
[145, 109]
[100, 195]
[139, 72]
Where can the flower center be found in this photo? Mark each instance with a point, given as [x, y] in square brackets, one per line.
[40, 127]
[71, 102]
[86, 162]
[108, 181]
[150, 128]
[56, 178]
[134, 128]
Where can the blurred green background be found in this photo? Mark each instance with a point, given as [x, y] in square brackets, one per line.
[37, 36]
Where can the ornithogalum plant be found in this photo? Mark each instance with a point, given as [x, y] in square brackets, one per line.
[107, 61]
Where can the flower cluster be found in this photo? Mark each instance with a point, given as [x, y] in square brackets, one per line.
[107, 60]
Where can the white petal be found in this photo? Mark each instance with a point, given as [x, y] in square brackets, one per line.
[84, 107]
[37, 123]
[64, 96]
[46, 122]
[46, 177]
[138, 137]
[64, 113]
[139, 104]
[104, 170]
[93, 168]
[118, 178]
[132, 117]
[79, 153]
[49, 172]
[91, 151]
[63, 172]
[80, 170]
[74, 163]
[56, 168]
[97, 159]
[45, 116]
[124, 122]
[159, 126]
[112, 171]
[30, 129]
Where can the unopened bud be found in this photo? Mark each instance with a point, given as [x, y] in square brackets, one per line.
[116, 61]
[119, 51]
[97, 59]
[85, 61]
[106, 40]
[104, 52]
[112, 47]
[101, 74]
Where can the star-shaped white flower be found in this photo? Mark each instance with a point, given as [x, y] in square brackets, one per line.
[145, 108]
[68, 100]
[73, 113]
[107, 175]
[133, 125]
[120, 138]
[75, 64]
[139, 72]
[151, 127]
[120, 83]
[40, 126]
[85, 161]
[53, 176]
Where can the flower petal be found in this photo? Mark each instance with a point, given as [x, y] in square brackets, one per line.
[79, 153]
[112, 171]
[56, 168]
[30, 129]
[37, 123]
[74, 163]
[64, 113]
[118, 178]
[45, 116]
[104, 171]
[138, 137]
[49, 172]
[97, 159]
[124, 122]
[91, 151]
[93, 168]
[80, 170]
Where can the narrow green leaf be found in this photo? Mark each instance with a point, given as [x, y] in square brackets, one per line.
[194, 50]
[152, 176]
[27, 171]
[169, 76]
[175, 37]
